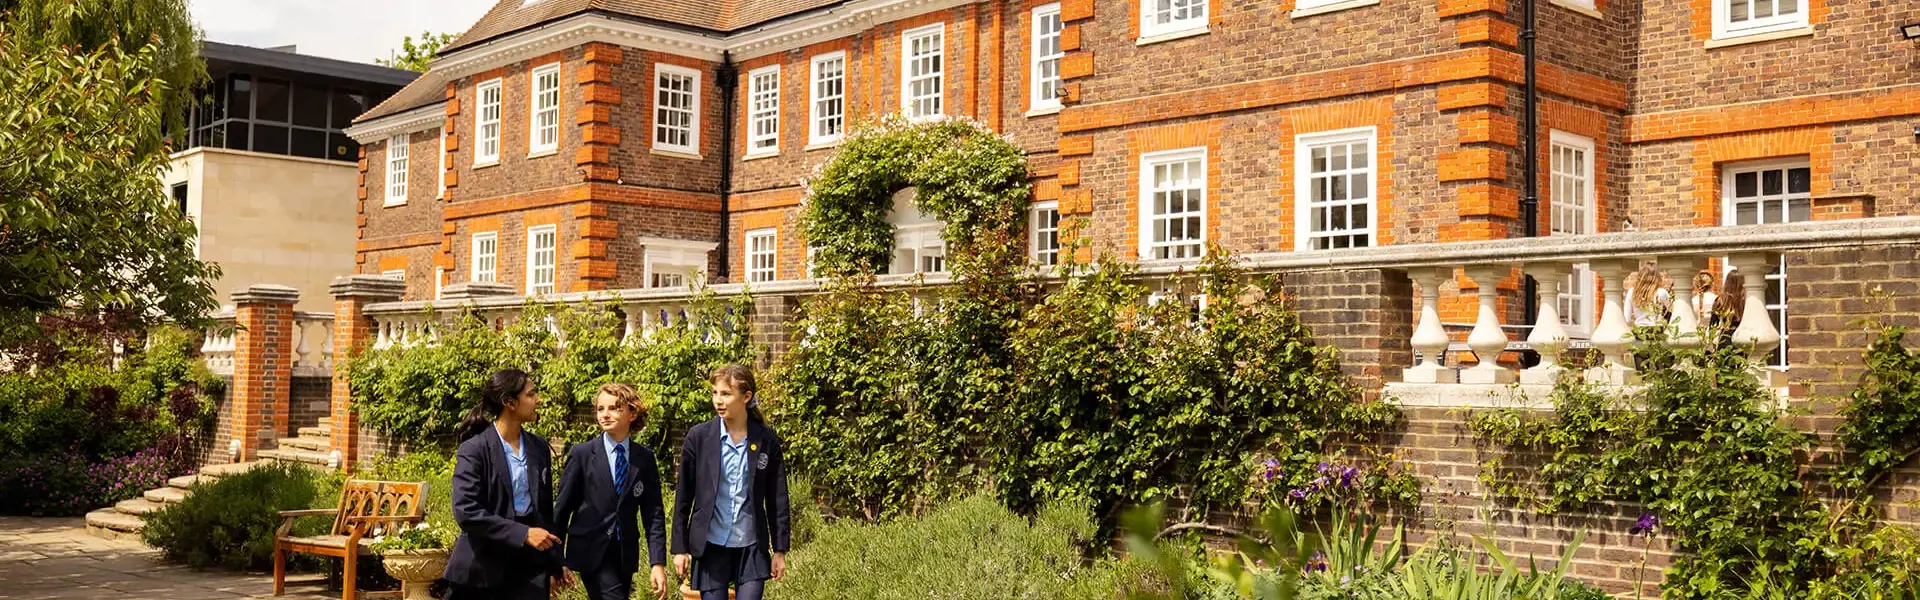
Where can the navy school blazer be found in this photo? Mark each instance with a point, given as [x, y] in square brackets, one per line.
[700, 480]
[490, 540]
[589, 508]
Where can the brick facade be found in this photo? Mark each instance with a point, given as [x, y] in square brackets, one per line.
[263, 366]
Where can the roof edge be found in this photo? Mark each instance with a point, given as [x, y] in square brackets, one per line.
[414, 119]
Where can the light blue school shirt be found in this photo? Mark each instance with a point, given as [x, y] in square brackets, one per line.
[517, 466]
[732, 527]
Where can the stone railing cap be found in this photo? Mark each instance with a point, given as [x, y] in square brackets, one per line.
[476, 289]
[266, 293]
[368, 286]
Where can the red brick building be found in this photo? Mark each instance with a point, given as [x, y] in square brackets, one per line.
[577, 145]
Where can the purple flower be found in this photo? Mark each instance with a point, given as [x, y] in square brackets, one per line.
[1318, 563]
[1322, 468]
[1297, 495]
[1273, 469]
[1646, 525]
[1347, 476]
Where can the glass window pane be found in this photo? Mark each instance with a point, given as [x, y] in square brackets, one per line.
[310, 106]
[1762, 8]
[1746, 185]
[1788, 7]
[1339, 220]
[1746, 213]
[1799, 210]
[1359, 216]
[1318, 221]
[240, 103]
[341, 147]
[238, 136]
[1737, 10]
[1771, 212]
[311, 143]
[271, 101]
[1339, 191]
[1799, 180]
[1319, 160]
[1360, 154]
[1339, 160]
[1358, 188]
[270, 138]
[1770, 183]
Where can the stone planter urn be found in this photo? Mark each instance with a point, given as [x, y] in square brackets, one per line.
[687, 593]
[416, 570]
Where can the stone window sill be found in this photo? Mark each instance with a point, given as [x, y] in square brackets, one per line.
[543, 153]
[1044, 111]
[1170, 36]
[674, 153]
[1335, 7]
[1579, 8]
[483, 165]
[822, 145]
[393, 203]
[759, 155]
[1759, 37]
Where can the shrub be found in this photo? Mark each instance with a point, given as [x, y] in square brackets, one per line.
[158, 399]
[972, 548]
[231, 523]
[66, 484]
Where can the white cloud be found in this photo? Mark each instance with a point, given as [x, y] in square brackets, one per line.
[355, 30]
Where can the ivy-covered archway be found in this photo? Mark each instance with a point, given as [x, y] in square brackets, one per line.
[971, 179]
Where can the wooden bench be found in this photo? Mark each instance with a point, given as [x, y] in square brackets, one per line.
[364, 506]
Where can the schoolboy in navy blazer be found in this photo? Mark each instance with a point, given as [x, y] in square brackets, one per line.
[597, 521]
[693, 506]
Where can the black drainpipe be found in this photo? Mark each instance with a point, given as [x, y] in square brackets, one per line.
[1530, 195]
[728, 77]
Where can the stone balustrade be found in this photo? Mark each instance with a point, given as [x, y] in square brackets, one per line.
[219, 343]
[313, 346]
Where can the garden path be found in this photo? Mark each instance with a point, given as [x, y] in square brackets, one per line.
[47, 558]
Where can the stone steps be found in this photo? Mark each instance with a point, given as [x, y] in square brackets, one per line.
[124, 520]
[308, 444]
[296, 456]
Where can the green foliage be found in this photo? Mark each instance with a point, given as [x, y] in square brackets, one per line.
[973, 548]
[415, 56]
[971, 179]
[162, 26]
[1084, 394]
[1283, 560]
[87, 227]
[158, 398]
[419, 392]
[1712, 457]
[230, 523]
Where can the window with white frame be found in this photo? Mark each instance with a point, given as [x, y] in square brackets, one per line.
[763, 117]
[672, 263]
[1736, 18]
[1043, 233]
[439, 278]
[1570, 194]
[440, 165]
[676, 112]
[917, 243]
[829, 98]
[923, 71]
[540, 254]
[1334, 189]
[400, 274]
[762, 245]
[486, 123]
[1045, 72]
[1173, 199]
[1161, 17]
[1774, 191]
[486, 245]
[397, 170]
[545, 119]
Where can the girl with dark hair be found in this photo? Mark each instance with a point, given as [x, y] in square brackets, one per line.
[503, 498]
[731, 526]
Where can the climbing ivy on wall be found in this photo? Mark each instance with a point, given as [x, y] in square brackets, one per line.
[1706, 449]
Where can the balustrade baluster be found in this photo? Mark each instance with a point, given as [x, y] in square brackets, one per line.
[1613, 333]
[1685, 324]
[1429, 338]
[1548, 337]
[1487, 339]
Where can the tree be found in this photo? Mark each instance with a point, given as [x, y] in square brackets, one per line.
[415, 56]
[84, 224]
[88, 25]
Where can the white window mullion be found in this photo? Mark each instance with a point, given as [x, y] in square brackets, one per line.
[1044, 234]
[397, 170]
[762, 255]
[1334, 189]
[544, 133]
[763, 121]
[829, 98]
[486, 123]
[1044, 74]
[540, 254]
[1571, 198]
[485, 247]
[676, 114]
[1173, 213]
[1163, 17]
[923, 72]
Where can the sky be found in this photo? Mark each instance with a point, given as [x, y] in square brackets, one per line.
[355, 30]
